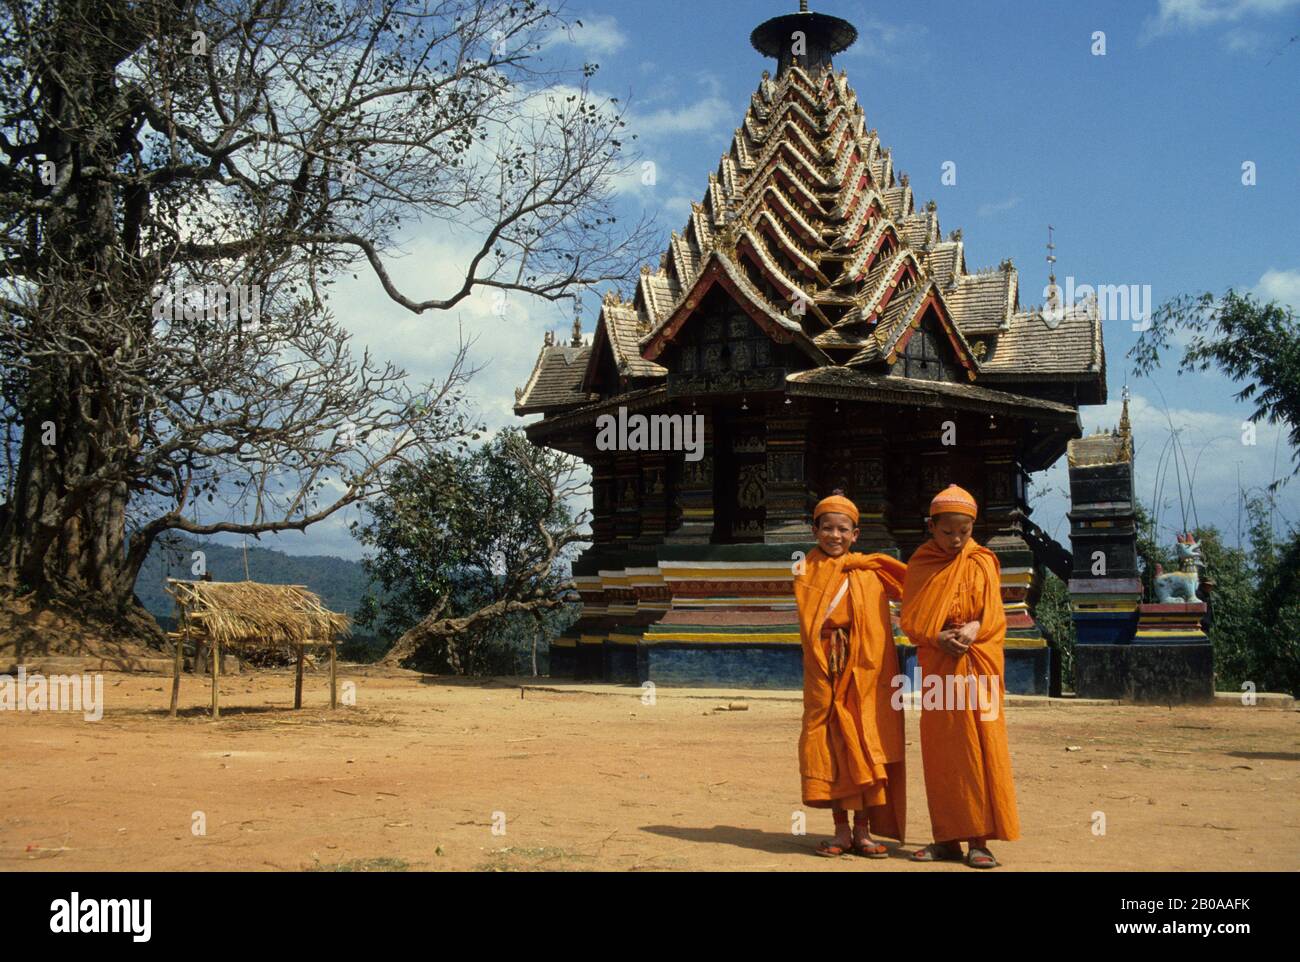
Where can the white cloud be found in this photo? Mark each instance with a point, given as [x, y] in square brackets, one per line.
[1283, 286]
[988, 210]
[709, 115]
[1175, 16]
[1213, 448]
[1192, 14]
[889, 43]
[1245, 40]
[599, 35]
[509, 337]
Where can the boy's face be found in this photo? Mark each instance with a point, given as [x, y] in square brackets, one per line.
[835, 533]
[951, 532]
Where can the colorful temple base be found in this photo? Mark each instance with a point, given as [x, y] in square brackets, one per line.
[1160, 673]
[731, 622]
[1026, 671]
[1104, 610]
[724, 616]
[1171, 624]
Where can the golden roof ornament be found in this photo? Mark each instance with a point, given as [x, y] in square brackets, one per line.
[728, 234]
[1125, 427]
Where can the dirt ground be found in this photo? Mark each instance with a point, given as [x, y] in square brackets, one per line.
[423, 772]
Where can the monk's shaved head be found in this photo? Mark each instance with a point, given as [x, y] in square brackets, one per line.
[951, 531]
[835, 532]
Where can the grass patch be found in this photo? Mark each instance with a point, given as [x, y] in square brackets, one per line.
[515, 858]
[362, 865]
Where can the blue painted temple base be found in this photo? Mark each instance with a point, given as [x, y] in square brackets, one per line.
[723, 666]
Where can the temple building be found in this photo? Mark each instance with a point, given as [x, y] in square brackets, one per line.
[831, 336]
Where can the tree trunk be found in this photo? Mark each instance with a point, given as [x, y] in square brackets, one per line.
[64, 535]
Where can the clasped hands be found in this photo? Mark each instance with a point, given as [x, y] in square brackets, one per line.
[955, 641]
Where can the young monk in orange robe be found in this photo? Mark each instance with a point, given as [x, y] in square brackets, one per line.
[851, 745]
[952, 612]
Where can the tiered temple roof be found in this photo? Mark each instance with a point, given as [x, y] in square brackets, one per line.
[807, 223]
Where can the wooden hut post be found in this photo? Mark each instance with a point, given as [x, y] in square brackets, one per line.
[216, 658]
[334, 675]
[180, 654]
[297, 684]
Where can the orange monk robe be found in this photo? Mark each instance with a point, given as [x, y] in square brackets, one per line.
[851, 746]
[963, 749]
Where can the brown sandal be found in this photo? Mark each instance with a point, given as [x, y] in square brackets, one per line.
[981, 858]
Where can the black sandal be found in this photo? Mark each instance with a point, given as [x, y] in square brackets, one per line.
[935, 852]
[870, 848]
[830, 848]
[981, 858]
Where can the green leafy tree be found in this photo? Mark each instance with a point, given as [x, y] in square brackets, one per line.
[1256, 345]
[1053, 616]
[470, 552]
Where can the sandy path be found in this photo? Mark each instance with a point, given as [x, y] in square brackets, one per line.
[413, 775]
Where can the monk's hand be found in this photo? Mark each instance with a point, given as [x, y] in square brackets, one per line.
[968, 632]
[950, 644]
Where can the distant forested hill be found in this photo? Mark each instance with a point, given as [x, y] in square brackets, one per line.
[339, 583]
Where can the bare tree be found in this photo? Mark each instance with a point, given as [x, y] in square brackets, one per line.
[180, 184]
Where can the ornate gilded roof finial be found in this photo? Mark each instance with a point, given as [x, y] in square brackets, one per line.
[576, 340]
[1054, 311]
[1125, 427]
[728, 234]
[803, 39]
[1051, 258]
[549, 339]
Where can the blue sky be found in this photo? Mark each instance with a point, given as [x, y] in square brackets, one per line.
[1135, 157]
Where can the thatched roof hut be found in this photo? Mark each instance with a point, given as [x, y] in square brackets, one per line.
[248, 612]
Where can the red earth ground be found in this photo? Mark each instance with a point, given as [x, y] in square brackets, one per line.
[423, 772]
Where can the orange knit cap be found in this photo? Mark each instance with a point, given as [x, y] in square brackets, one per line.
[837, 503]
[953, 500]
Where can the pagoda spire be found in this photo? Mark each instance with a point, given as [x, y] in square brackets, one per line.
[576, 340]
[804, 39]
